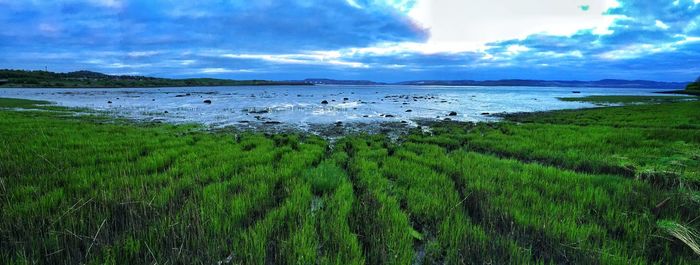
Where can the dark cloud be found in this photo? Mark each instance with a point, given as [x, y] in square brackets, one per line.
[288, 38]
[237, 25]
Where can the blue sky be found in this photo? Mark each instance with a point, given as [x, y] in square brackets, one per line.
[382, 40]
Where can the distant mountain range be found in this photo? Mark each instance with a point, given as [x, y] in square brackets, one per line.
[612, 83]
[21, 78]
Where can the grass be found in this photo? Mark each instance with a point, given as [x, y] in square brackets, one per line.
[628, 99]
[614, 185]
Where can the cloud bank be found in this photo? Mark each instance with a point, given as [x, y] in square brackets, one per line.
[384, 40]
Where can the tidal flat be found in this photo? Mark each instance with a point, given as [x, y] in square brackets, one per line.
[607, 185]
[314, 108]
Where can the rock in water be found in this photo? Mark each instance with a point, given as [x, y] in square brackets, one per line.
[206, 101]
[452, 113]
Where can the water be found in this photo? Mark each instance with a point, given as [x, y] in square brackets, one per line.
[301, 106]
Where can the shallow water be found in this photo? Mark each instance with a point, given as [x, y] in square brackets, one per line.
[301, 106]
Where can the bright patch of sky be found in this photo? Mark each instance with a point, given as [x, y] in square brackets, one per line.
[458, 25]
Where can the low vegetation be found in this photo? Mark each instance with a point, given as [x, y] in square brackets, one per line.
[695, 86]
[627, 100]
[614, 185]
[45, 79]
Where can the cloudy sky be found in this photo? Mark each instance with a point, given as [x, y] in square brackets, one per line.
[383, 40]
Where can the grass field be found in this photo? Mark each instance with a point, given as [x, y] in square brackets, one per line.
[629, 99]
[614, 185]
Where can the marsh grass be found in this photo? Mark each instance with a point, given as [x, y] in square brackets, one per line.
[629, 100]
[686, 235]
[601, 186]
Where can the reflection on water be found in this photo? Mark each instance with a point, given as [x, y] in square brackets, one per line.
[301, 106]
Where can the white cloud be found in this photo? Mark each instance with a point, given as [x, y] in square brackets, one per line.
[223, 71]
[636, 51]
[123, 65]
[140, 54]
[115, 4]
[639, 50]
[459, 25]
[353, 3]
[660, 24]
[186, 62]
[552, 54]
[515, 49]
[313, 58]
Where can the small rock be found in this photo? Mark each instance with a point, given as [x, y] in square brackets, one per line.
[388, 116]
[259, 111]
[166, 112]
[345, 99]
[452, 113]
[485, 113]
[272, 122]
[340, 123]
[365, 116]
[324, 102]
[109, 102]
[404, 122]
[408, 110]
[153, 99]
[206, 101]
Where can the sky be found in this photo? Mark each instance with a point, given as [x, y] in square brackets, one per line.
[380, 40]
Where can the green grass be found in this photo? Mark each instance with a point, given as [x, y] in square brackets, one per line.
[22, 103]
[615, 185]
[628, 99]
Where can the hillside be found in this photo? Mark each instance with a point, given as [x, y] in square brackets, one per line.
[694, 86]
[21, 78]
[616, 83]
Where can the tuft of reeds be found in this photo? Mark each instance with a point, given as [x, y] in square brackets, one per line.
[688, 236]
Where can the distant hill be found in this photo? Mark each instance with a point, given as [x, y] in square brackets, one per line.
[324, 81]
[613, 83]
[695, 86]
[21, 78]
